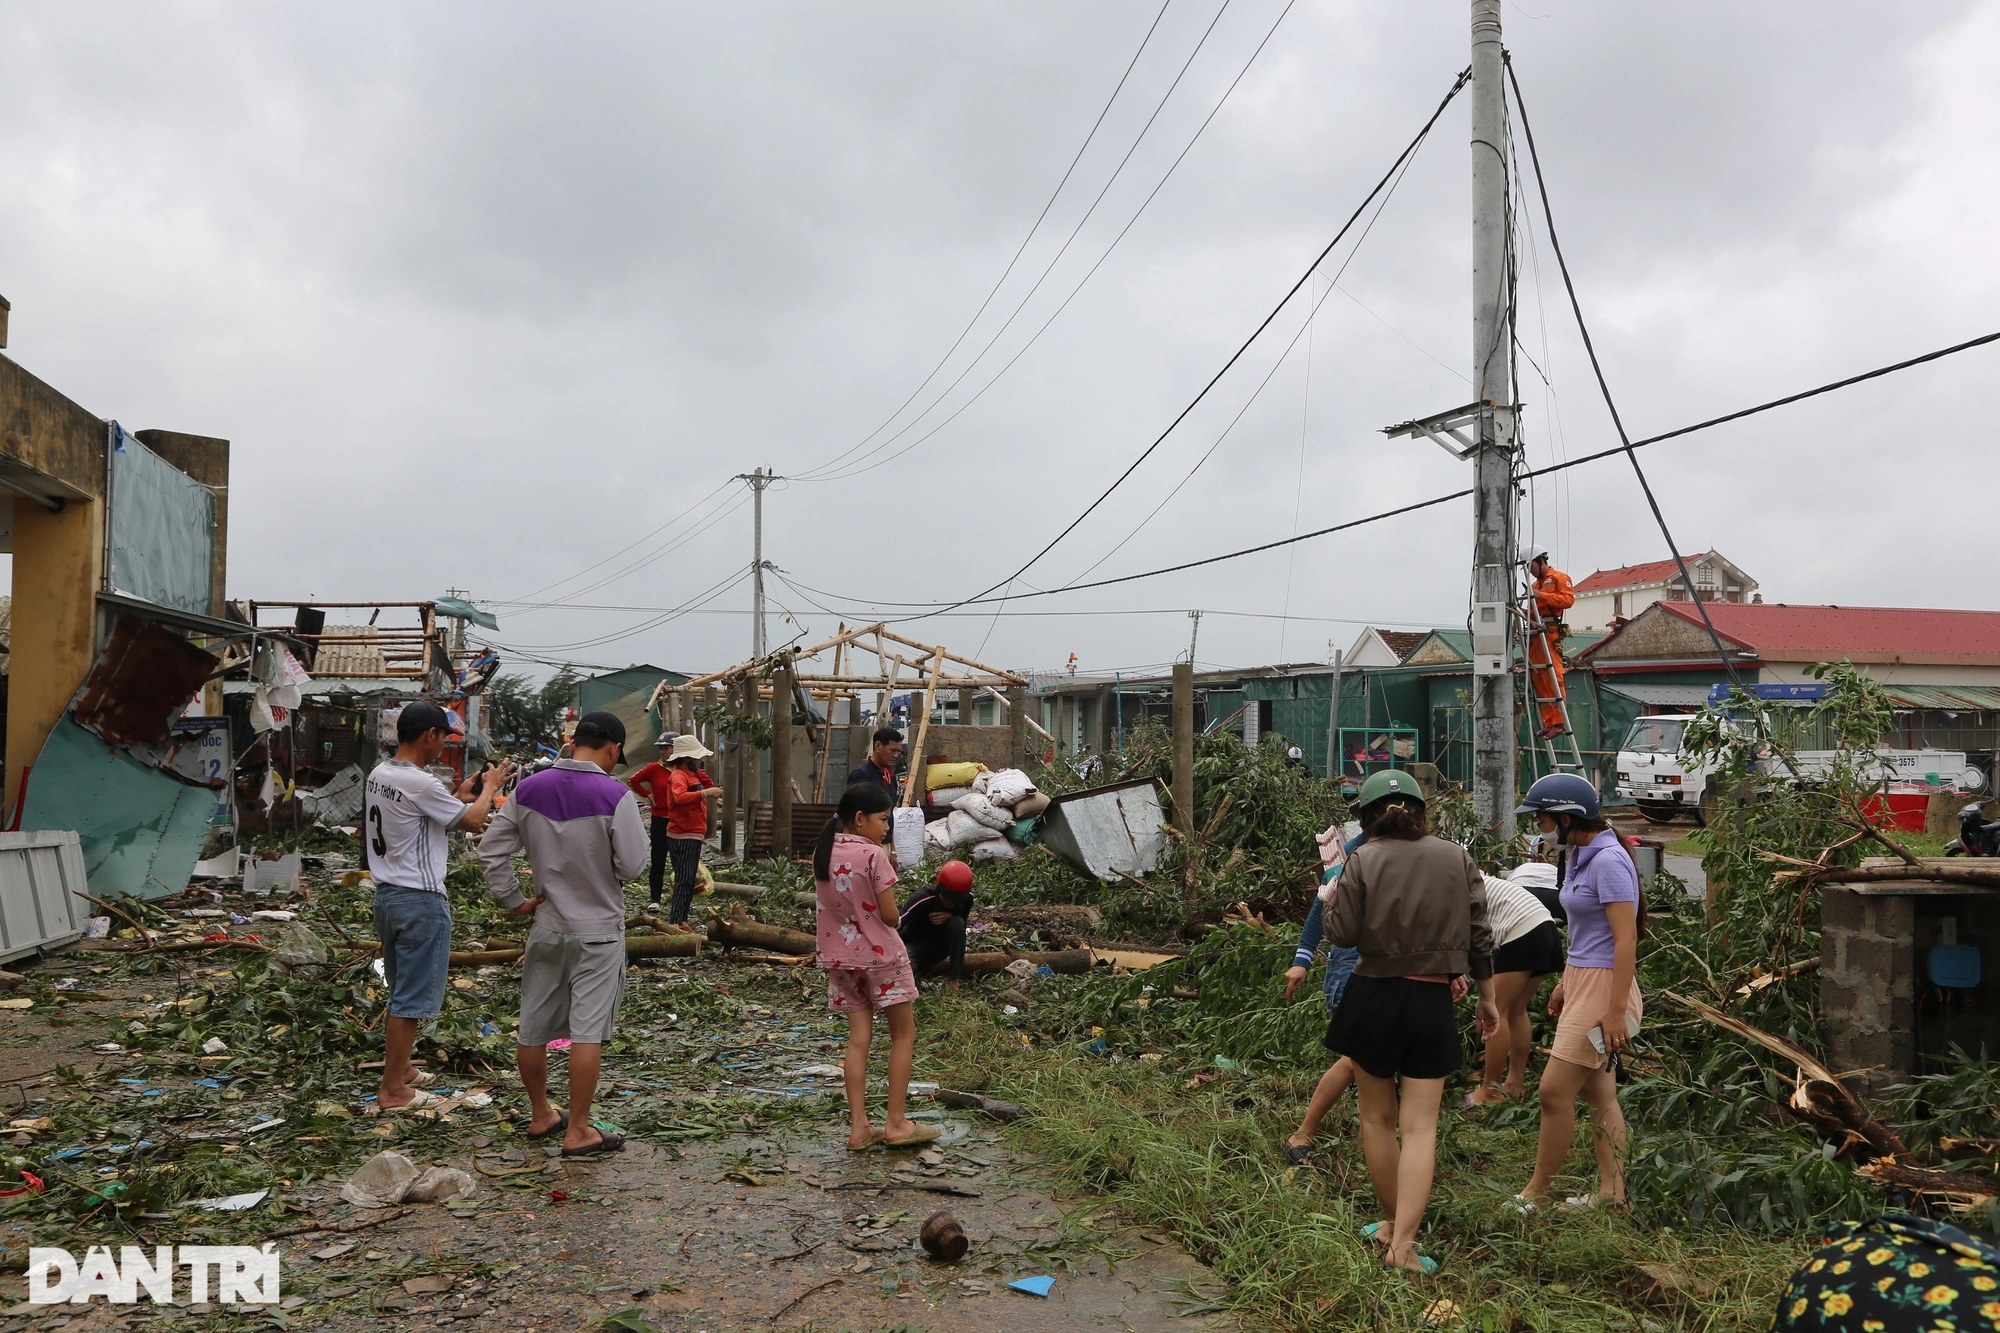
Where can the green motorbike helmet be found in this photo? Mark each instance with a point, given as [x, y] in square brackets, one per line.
[1389, 782]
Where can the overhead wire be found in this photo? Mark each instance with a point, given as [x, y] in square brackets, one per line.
[1089, 273]
[1435, 500]
[811, 473]
[1256, 393]
[517, 601]
[859, 466]
[1147, 452]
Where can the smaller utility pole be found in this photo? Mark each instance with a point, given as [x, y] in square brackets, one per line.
[1194, 635]
[1184, 747]
[759, 479]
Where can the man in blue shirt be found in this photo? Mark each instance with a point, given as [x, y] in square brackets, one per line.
[880, 766]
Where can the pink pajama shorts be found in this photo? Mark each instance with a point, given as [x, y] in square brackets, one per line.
[856, 990]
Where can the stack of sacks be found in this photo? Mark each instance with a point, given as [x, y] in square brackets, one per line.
[995, 815]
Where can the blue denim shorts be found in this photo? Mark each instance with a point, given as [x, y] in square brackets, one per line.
[414, 926]
[1339, 967]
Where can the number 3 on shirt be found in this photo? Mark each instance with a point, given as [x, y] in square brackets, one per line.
[381, 848]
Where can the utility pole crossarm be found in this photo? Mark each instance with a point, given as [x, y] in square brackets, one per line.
[1447, 429]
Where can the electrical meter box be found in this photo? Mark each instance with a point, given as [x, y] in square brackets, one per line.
[1490, 639]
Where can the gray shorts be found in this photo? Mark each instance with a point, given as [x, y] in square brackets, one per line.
[570, 987]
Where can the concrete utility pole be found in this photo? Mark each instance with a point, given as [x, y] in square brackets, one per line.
[1483, 431]
[1493, 542]
[758, 479]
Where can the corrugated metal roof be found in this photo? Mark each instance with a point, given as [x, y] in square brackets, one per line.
[1948, 698]
[1658, 696]
[1782, 633]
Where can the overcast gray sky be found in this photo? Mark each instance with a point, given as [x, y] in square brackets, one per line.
[486, 294]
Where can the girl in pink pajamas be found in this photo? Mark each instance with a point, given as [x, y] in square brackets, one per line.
[867, 967]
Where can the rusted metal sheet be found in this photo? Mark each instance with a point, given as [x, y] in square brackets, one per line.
[1103, 831]
[143, 677]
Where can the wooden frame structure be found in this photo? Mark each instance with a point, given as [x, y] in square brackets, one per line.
[898, 662]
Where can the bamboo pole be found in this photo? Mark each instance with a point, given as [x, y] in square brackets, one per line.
[918, 769]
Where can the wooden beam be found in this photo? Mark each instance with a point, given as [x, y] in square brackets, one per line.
[917, 765]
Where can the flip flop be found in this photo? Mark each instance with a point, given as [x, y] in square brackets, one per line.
[422, 1078]
[874, 1140]
[920, 1134]
[561, 1124]
[1298, 1154]
[1375, 1231]
[1472, 1101]
[611, 1142]
[419, 1101]
[1524, 1205]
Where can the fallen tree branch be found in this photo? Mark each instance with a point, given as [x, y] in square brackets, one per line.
[799, 1299]
[733, 932]
[341, 1228]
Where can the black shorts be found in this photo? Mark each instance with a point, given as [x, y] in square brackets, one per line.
[1394, 1026]
[1538, 953]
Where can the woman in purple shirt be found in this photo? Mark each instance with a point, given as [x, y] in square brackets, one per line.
[1597, 1005]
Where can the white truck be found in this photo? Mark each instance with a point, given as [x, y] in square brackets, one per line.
[1664, 784]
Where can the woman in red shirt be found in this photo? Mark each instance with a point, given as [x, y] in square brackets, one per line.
[679, 793]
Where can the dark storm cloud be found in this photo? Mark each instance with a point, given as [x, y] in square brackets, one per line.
[554, 255]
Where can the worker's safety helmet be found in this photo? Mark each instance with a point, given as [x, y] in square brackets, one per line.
[1295, 753]
[1389, 782]
[1534, 553]
[666, 740]
[1560, 794]
[955, 877]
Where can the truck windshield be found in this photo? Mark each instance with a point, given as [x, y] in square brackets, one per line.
[1657, 735]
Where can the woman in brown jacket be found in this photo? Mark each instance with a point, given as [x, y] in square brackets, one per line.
[1415, 906]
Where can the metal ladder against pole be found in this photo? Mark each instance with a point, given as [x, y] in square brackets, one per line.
[1530, 624]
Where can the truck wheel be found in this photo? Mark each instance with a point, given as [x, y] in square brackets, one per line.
[1705, 807]
[1655, 812]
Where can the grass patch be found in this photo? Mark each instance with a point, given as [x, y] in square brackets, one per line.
[1204, 1163]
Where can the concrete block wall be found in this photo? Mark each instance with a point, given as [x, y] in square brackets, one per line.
[1867, 985]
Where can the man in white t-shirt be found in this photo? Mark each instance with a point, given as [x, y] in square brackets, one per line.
[406, 821]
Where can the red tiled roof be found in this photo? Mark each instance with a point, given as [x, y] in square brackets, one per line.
[1781, 633]
[1402, 642]
[1653, 571]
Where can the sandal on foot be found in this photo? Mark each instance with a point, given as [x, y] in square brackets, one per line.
[1298, 1154]
[874, 1140]
[608, 1142]
[918, 1135]
[1378, 1232]
[1524, 1205]
[561, 1124]
[419, 1101]
[1472, 1101]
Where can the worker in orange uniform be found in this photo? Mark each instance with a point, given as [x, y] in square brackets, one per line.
[1554, 594]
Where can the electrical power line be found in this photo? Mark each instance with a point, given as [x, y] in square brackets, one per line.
[1088, 139]
[1147, 452]
[1088, 274]
[1460, 495]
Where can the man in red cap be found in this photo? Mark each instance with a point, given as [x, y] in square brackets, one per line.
[933, 925]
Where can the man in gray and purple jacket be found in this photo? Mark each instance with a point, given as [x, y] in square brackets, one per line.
[583, 836]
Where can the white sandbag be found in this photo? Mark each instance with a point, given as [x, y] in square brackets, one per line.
[943, 797]
[983, 810]
[979, 783]
[908, 834]
[1008, 786]
[994, 849]
[963, 828]
[1031, 805]
[937, 836]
